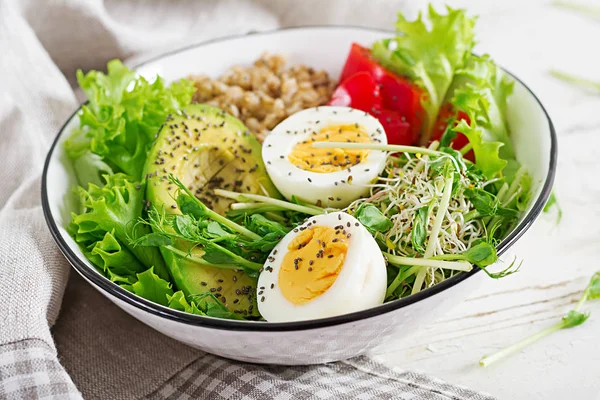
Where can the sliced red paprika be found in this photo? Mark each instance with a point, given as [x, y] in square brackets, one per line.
[359, 91]
[445, 115]
[397, 130]
[398, 93]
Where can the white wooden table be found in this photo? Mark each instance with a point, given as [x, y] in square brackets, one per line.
[529, 37]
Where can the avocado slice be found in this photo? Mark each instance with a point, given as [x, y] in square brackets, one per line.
[206, 148]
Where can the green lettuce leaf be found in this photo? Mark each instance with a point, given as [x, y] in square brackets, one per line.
[429, 57]
[90, 168]
[481, 91]
[115, 208]
[373, 219]
[124, 113]
[213, 307]
[114, 260]
[487, 157]
[178, 301]
[152, 287]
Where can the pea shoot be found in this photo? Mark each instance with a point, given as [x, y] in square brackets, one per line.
[573, 318]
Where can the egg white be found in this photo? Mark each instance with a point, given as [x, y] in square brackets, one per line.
[361, 283]
[318, 187]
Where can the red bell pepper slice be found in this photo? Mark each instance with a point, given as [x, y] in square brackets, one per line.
[397, 130]
[446, 113]
[359, 91]
[398, 94]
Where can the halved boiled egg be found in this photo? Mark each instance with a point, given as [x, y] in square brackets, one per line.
[330, 265]
[326, 177]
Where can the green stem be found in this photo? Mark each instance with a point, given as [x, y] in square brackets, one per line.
[311, 210]
[581, 8]
[575, 80]
[402, 275]
[506, 194]
[429, 262]
[488, 360]
[466, 149]
[435, 230]
[502, 191]
[275, 217]
[582, 301]
[251, 206]
[215, 216]
[514, 186]
[376, 146]
[199, 260]
[471, 215]
[499, 196]
[232, 225]
[421, 164]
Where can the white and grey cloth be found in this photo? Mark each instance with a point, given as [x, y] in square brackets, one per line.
[94, 349]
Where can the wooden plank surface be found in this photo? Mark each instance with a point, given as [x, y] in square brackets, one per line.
[529, 38]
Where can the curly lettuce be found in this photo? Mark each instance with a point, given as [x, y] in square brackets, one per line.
[118, 124]
[114, 208]
[152, 287]
[114, 260]
[487, 157]
[481, 91]
[430, 56]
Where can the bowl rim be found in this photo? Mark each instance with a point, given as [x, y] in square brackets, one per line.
[260, 326]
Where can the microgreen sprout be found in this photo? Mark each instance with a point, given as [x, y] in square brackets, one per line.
[376, 146]
[417, 210]
[192, 205]
[264, 200]
[552, 203]
[573, 318]
[589, 10]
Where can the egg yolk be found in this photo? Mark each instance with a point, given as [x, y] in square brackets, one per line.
[314, 260]
[308, 158]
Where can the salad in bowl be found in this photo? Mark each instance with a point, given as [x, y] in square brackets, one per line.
[273, 197]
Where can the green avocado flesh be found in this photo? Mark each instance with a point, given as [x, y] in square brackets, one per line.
[206, 149]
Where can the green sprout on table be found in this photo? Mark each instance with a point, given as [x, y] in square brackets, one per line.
[573, 318]
[585, 9]
[590, 11]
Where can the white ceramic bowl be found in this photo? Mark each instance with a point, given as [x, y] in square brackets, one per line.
[313, 341]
